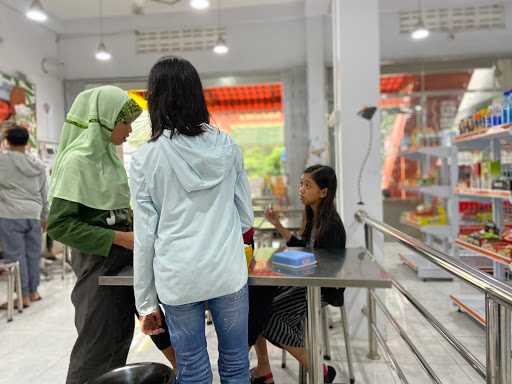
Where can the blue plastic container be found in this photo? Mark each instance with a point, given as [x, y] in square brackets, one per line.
[294, 259]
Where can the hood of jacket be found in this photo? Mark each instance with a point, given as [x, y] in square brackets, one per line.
[25, 164]
[201, 162]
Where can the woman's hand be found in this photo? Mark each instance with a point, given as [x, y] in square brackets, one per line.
[151, 324]
[272, 217]
[123, 239]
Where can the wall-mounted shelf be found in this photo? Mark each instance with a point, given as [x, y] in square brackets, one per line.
[475, 139]
[484, 193]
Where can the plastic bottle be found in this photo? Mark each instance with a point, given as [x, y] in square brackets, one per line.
[488, 117]
[496, 115]
[506, 112]
[509, 104]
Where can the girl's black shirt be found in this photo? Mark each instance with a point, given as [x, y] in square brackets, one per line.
[334, 239]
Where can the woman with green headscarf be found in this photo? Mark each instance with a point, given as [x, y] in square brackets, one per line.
[89, 212]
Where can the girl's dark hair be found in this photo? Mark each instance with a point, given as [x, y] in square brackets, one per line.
[175, 98]
[17, 136]
[325, 177]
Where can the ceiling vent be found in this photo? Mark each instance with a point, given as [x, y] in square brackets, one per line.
[179, 40]
[456, 20]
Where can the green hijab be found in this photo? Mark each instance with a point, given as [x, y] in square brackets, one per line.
[87, 169]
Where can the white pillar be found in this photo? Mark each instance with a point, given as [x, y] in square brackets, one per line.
[317, 105]
[356, 60]
[296, 130]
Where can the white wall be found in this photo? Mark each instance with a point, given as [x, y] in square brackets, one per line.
[24, 45]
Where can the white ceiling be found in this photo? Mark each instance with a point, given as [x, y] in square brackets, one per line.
[65, 10]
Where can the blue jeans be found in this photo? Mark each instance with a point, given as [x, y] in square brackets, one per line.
[187, 327]
[21, 239]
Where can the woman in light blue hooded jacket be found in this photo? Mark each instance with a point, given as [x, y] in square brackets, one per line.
[191, 202]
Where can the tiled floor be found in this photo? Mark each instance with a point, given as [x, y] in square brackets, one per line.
[34, 348]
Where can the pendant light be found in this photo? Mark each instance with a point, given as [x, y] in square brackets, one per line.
[200, 4]
[420, 31]
[102, 53]
[36, 12]
[220, 48]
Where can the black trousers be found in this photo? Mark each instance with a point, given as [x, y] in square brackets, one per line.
[104, 317]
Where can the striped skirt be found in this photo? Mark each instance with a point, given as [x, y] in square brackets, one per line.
[289, 312]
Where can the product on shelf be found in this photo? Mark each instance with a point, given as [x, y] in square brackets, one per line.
[421, 137]
[490, 233]
[426, 214]
[490, 239]
[498, 114]
[478, 171]
[474, 212]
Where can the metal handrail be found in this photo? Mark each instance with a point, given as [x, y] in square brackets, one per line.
[417, 354]
[470, 358]
[498, 303]
[488, 284]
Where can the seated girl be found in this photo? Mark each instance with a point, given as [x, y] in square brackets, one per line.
[279, 314]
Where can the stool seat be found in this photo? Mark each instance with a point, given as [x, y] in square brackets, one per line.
[140, 373]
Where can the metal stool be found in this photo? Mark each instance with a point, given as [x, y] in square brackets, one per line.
[140, 373]
[13, 285]
[327, 345]
[62, 266]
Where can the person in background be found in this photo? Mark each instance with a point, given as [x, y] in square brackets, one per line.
[23, 210]
[279, 314]
[191, 202]
[89, 212]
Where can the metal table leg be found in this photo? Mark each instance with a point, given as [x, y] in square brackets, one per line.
[325, 333]
[372, 339]
[348, 348]
[315, 371]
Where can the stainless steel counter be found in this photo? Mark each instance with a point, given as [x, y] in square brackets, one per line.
[352, 267]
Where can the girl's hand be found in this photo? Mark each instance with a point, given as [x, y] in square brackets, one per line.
[124, 239]
[151, 324]
[272, 217]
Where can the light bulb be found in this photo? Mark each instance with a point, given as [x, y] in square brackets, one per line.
[420, 32]
[221, 47]
[102, 54]
[36, 12]
[200, 4]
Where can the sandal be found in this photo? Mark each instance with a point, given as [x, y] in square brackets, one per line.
[266, 379]
[35, 297]
[329, 374]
